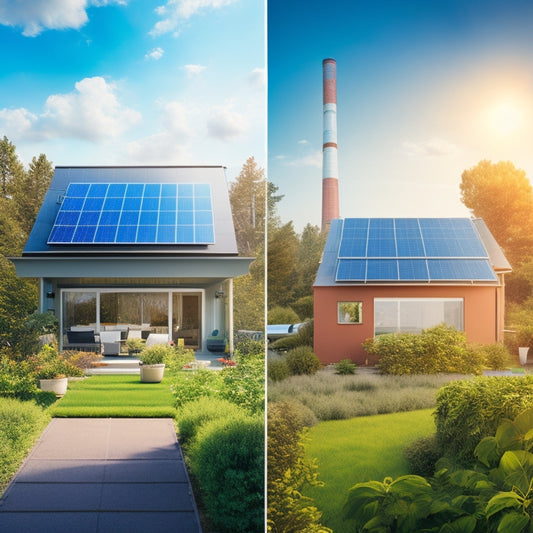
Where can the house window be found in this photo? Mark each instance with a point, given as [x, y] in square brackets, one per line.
[412, 315]
[350, 312]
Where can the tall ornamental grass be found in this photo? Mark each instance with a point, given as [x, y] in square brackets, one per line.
[335, 397]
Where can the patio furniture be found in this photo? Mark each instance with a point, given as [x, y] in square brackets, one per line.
[82, 341]
[216, 342]
[156, 338]
[111, 342]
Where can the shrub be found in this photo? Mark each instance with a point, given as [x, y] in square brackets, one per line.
[288, 472]
[82, 360]
[227, 458]
[304, 307]
[282, 315]
[177, 357]
[191, 386]
[156, 354]
[524, 335]
[244, 384]
[496, 356]
[16, 378]
[191, 417]
[302, 360]
[277, 369]
[469, 410]
[422, 455]
[249, 347]
[435, 350]
[303, 337]
[21, 423]
[345, 366]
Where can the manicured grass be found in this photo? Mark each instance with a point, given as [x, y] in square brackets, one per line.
[360, 449]
[120, 396]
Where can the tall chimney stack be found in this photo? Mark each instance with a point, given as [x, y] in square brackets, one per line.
[330, 168]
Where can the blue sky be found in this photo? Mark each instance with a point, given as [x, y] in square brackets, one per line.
[426, 89]
[134, 82]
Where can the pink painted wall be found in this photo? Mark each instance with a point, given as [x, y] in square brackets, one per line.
[483, 316]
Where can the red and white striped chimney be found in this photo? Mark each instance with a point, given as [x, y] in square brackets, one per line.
[330, 167]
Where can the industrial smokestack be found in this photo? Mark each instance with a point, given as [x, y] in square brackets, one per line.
[330, 168]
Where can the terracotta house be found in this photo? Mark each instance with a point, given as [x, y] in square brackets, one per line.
[129, 252]
[385, 275]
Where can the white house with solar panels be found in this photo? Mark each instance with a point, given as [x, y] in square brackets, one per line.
[386, 275]
[129, 252]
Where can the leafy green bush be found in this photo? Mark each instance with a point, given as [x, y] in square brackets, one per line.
[16, 377]
[438, 349]
[194, 415]
[469, 410]
[227, 458]
[302, 360]
[249, 347]
[82, 360]
[156, 354]
[422, 455]
[496, 356]
[282, 315]
[304, 307]
[177, 357]
[303, 337]
[288, 472]
[48, 364]
[277, 369]
[191, 386]
[345, 367]
[21, 423]
[244, 384]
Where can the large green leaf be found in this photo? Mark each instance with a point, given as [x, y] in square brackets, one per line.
[508, 436]
[524, 421]
[465, 524]
[410, 484]
[517, 469]
[502, 500]
[362, 498]
[487, 451]
[513, 522]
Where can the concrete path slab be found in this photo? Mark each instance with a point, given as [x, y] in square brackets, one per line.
[99, 475]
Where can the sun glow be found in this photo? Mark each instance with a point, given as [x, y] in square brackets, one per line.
[506, 118]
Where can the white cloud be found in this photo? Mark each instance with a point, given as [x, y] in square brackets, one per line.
[224, 124]
[155, 53]
[175, 12]
[37, 16]
[430, 148]
[303, 141]
[91, 112]
[310, 160]
[194, 70]
[258, 77]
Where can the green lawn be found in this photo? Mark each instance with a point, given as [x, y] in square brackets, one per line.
[360, 449]
[120, 396]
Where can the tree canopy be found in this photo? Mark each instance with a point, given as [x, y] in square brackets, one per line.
[502, 196]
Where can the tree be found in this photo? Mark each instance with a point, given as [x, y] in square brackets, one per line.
[29, 189]
[281, 260]
[247, 197]
[10, 166]
[502, 196]
[310, 250]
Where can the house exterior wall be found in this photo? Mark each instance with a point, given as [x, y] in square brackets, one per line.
[483, 316]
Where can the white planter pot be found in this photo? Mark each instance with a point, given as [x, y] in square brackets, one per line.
[58, 385]
[152, 373]
[522, 354]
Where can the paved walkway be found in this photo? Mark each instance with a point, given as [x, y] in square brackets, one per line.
[102, 475]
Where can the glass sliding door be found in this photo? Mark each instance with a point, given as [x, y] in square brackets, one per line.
[186, 319]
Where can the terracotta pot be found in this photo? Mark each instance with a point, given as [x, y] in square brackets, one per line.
[152, 373]
[57, 385]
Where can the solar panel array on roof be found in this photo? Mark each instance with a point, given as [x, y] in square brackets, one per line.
[135, 213]
[412, 249]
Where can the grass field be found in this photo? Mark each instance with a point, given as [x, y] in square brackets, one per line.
[121, 396]
[360, 449]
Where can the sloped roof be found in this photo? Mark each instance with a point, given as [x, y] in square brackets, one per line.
[410, 251]
[221, 242]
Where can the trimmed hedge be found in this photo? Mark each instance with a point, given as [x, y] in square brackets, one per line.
[302, 360]
[227, 459]
[438, 349]
[469, 410]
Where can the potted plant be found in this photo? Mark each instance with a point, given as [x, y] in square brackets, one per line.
[151, 361]
[134, 346]
[52, 377]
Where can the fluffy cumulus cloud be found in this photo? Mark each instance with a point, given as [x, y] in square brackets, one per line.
[430, 148]
[194, 70]
[310, 160]
[224, 124]
[91, 112]
[36, 16]
[155, 53]
[176, 12]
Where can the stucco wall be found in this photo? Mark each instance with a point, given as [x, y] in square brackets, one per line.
[483, 322]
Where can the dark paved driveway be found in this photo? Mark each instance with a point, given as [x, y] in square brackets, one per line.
[102, 475]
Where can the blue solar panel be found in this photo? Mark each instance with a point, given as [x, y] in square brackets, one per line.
[135, 213]
[412, 249]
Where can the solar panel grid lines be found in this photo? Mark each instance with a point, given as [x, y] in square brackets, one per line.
[135, 213]
[412, 249]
